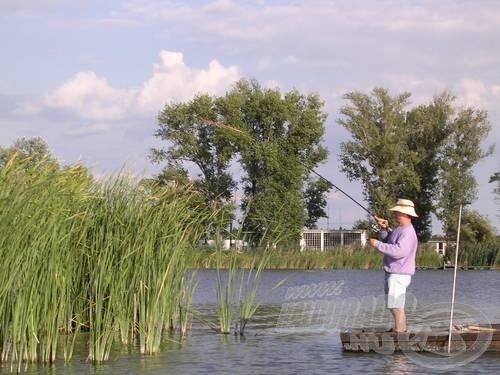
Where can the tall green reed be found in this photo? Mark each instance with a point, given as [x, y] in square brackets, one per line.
[225, 288]
[36, 222]
[485, 254]
[78, 255]
[247, 297]
[337, 258]
[245, 301]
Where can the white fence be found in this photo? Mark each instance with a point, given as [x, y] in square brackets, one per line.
[311, 239]
[322, 240]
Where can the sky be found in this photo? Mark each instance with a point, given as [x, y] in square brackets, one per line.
[91, 76]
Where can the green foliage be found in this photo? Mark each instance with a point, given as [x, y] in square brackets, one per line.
[183, 126]
[427, 257]
[315, 199]
[366, 224]
[496, 178]
[338, 258]
[425, 154]
[461, 151]
[479, 254]
[35, 151]
[276, 139]
[283, 143]
[77, 255]
[475, 228]
[173, 175]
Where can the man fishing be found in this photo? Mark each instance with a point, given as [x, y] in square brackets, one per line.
[399, 247]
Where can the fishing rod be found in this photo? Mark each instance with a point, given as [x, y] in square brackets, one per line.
[221, 125]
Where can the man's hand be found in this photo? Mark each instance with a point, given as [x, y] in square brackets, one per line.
[373, 242]
[382, 223]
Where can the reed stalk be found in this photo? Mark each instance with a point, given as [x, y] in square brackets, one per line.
[78, 255]
[248, 304]
[188, 288]
[225, 289]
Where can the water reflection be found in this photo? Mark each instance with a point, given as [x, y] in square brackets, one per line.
[397, 364]
[268, 350]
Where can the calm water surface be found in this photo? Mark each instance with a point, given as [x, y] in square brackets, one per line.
[268, 350]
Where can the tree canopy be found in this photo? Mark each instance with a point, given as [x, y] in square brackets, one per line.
[275, 140]
[425, 153]
[35, 149]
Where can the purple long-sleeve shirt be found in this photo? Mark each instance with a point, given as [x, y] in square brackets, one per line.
[399, 248]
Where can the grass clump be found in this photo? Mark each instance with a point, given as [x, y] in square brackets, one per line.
[78, 255]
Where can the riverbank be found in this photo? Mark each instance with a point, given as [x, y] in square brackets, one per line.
[338, 258]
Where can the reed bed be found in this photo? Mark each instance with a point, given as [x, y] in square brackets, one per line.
[479, 254]
[338, 258]
[103, 257]
[236, 289]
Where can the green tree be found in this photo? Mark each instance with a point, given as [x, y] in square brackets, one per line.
[315, 200]
[475, 228]
[427, 130]
[285, 132]
[419, 154]
[190, 139]
[275, 138]
[461, 151]
[495, 178]
[35, 148]
[173, 175]
[378, 154]
[366, 224]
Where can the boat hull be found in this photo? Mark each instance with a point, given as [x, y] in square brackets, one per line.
[481, 338]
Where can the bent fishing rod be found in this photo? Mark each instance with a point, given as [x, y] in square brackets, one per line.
[221, 125]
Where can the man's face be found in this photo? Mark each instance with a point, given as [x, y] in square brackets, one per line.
[401, 218]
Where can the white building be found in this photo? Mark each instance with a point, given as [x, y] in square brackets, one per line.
[439, 245]
[226, 244]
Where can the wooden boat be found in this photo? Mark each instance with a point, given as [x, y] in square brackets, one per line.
[474, 338]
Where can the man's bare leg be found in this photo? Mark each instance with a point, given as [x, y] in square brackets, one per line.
[400, 319]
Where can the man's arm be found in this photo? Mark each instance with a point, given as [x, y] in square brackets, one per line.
[399, 249]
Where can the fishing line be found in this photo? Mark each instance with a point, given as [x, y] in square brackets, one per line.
[220, 125]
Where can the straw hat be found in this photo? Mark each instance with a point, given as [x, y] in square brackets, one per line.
[405, 206]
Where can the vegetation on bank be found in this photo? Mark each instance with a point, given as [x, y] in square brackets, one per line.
[112, 258]
[478, 254]
[339, 258]
[106, 258]
[470, 255]
[425, 153]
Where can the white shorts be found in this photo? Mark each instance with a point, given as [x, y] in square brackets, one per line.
[395, 290]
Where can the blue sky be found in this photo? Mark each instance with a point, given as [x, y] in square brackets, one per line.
[91, 76]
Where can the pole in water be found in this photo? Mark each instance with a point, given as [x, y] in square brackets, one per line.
[454, 278]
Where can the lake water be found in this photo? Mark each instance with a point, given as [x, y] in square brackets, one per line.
[306, 348]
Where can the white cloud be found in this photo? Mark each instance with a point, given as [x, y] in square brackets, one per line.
[101, 23]
[472, 93]
[88, 96]
[88, 130]
[254, 21]
[272, 84]
[30, 8]
[174, 80]
[28, 108]
[495, 90]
